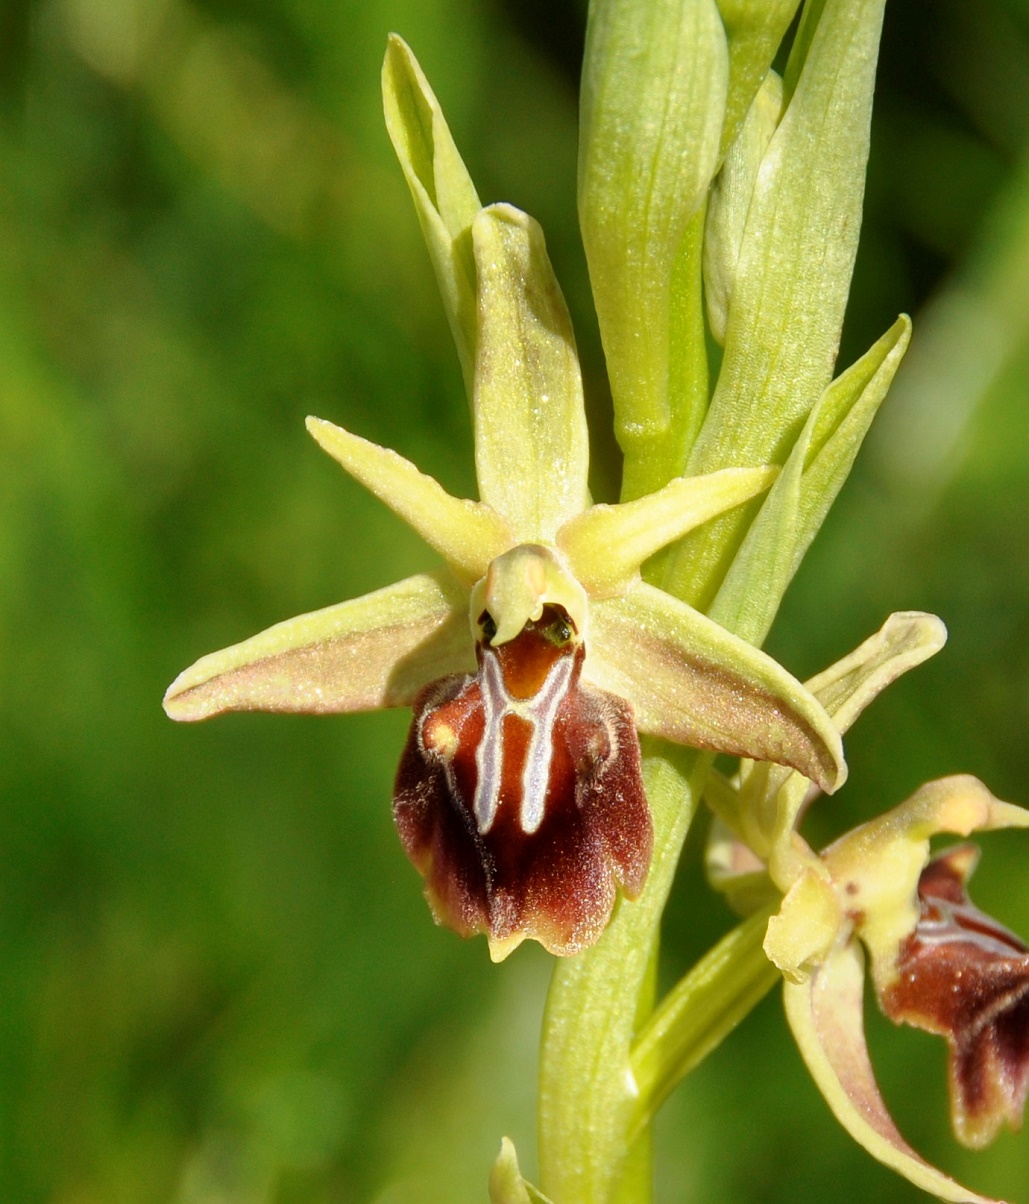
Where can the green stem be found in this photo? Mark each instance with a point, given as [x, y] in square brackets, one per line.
[598, 1001]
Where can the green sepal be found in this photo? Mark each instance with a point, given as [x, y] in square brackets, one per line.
[375, 651]
[653, 98]
[531, 441]
[692, 681]
[444, 196]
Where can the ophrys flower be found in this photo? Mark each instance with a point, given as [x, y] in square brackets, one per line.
[936, 961]
[536, 653]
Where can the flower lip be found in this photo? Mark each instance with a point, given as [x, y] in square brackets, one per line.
[520, 798]
[965, 977]
[526, 661]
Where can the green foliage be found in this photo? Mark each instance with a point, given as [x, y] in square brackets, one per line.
[219, 981]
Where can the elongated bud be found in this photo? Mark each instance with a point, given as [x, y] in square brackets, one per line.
[730, 201]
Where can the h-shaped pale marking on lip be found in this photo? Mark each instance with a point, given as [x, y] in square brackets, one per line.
[540, 712]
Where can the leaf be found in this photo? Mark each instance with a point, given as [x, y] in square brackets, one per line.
[793, 276]
[444, 196]
[795, 508]
[700, 1011]
[653, 99]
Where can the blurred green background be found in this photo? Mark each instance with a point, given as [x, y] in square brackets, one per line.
[219, 983]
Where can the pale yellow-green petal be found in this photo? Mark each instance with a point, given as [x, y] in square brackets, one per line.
[371, 652]
[606, 545]
[468, 535]
[826, 1016]
[444, 196]
[531, 442]
[693, 682]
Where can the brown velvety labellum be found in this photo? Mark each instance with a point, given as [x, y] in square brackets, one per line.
[962, 975]
[519, 795]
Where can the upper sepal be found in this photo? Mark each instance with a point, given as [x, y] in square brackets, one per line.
[531, 441]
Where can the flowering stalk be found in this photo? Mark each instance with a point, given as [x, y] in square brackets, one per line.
[573, 667]
[781, 232]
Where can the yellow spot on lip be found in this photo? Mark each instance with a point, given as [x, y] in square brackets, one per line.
[441, 738]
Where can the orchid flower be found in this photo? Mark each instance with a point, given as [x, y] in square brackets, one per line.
[936, 961]
[535, 653]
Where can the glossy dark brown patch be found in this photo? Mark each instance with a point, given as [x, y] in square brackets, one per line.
[962, 975]
[519, 796]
